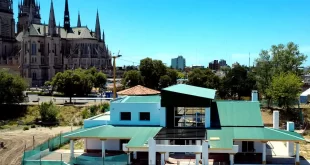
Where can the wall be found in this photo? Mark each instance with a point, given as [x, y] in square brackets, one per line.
[95, 144]
[135, 109]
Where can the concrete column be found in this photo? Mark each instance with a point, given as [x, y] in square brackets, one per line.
[166, 142]
[208, 117]
[205, 152]
[275, 119]
[231, 159]
[290, 145]
[72, 148]
[128, 155]
[198, 142]
[264, 153]
[197, 158]
[190, 142]
[103, 148]
[297, 154]
[135, 156]
[162, 158]
[152, 151]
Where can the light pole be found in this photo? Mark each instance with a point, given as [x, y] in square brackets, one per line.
[114, 75]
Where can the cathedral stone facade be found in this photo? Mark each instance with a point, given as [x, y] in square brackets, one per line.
[41, 50]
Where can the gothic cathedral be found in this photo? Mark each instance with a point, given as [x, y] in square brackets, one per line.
[41, 50]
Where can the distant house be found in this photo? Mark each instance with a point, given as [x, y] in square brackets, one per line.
[186, 120]
[138, 90]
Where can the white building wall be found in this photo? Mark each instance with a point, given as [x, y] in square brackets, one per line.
[95, 144]
[135, 109]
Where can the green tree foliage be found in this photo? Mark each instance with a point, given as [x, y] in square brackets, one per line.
[181, 75]
[146, 69]
[11, 88]
[151, 72]
[285, 88]
[278, 60]
[100, 80]
[132, 78]
[173, 75]
[164, 81]
[49, 112]
[240, 81]
[78, 82]
[203, 78]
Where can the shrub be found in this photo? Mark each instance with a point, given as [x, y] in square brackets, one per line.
[33, 126]
[93, 110]
[85, 114]
[49, 112]
[26, 128]
[105, 107]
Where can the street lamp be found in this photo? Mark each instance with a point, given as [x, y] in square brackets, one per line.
[114, 73]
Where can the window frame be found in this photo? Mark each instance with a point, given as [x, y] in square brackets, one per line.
[121, 116]
[149, 116]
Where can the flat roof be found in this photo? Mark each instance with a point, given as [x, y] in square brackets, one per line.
[138, 136]
[192, 91]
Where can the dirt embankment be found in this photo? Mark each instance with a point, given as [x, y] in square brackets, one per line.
[15, 142]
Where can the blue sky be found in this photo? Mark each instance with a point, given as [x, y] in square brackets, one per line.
[200, 30]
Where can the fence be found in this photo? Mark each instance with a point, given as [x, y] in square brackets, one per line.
[33, 157]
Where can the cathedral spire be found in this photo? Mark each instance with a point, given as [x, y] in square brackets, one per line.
[79, 20]
[52, 21]
[67, 18]
[97, 30]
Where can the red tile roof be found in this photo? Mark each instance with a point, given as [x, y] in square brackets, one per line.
[138, 90]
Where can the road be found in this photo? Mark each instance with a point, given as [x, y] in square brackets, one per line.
[33, 98]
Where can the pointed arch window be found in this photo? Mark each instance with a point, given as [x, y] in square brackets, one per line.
[33, 48]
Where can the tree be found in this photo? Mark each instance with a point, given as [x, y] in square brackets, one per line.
[285, 89]
[164, 81]
[132, 78]
[181, 75]
[49, 112]
[287, 58]
[239, 81]
[173, 74]
[100, 80]
[11, 88]
[146, 69]
[203, 78]
[279, 59]
[151, 71]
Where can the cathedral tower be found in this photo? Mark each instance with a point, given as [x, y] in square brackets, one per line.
[28, 13]
[7, 22]
[67, 18]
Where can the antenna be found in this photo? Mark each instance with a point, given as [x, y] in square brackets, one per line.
[249, 60]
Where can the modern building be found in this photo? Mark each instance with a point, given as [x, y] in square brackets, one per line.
[189, 121]
[178, 63]
[41, 50]
[216, 65]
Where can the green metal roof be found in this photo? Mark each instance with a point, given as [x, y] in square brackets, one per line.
[192, 90]
[138, 135]
[142, 99]
[223, 138]
[239, 113]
